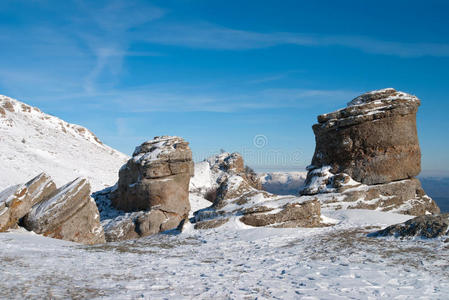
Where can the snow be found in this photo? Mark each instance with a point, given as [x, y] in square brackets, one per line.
[360, 100]
[32, 142]
[160, 145]
[234, 261]
[203, 179]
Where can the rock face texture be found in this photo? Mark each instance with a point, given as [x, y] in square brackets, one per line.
[157, 176]
[69, 214]
[154, 183]
[429, 226]
[374, 140]
[16, 201]
[368, 154]
[238, 199]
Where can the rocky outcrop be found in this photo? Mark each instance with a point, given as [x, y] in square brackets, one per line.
[69, 214]
[374, 140]
[368, 154]
[140, 224]
[16, 201]
[154, 183]
[429, 226]
[238, 200]
[213, 171]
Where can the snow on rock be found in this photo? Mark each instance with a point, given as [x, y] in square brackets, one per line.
[428, 226]
[374, 142]
[32, 142]
[155, 184]
[69, 214]
[16, 201]
[238, 201]
[388, 94]
[367, 156]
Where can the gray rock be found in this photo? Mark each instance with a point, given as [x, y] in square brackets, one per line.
[140, 224]
[368, 154]
[155, 180]
[238, 199]
[374, 140]
[18, 200]
[428, 226]
[69, 214]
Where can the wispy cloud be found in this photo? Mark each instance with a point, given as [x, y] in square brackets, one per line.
[211, 36]
[153, 99]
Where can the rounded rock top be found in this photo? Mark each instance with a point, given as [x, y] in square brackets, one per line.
[161, 147]
[387, 94]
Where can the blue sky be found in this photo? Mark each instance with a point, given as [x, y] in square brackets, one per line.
[226, 74]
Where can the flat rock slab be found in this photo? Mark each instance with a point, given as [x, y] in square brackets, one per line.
[16, 201]
[70, 214]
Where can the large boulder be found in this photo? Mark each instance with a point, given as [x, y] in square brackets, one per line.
[156, 180]
[16, 201]
[374, 140]
[428, 226]
[368, 154]
[69, 214]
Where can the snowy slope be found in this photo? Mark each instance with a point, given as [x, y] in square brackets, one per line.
[32, 142]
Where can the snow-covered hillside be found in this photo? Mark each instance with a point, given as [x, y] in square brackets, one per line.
[32, 142]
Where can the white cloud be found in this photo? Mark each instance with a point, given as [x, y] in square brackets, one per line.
[210, 36]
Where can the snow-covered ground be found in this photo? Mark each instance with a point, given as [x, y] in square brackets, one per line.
[32, 142]
[232, 262]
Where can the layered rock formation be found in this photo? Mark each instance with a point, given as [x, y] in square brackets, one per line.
[429, 226]
[16, 201]
[238, 199]
[154, 183]
[69, 214]
[368, 154]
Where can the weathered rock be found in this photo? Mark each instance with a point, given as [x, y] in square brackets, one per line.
[122, 228]
[140, 224]
[233, 164]
[18, 200]
[367, 155]
[302, 214]
[428, 226]
[155, 180]
[374, 140]
[403, 196]
[4, 216]
[69, 214]
[238, 199]
[157, 175]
